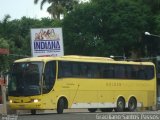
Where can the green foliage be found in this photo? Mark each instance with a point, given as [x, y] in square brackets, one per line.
[3, 58]
[96, 28]
[4, 43]
[58, 7]
[112, 26]
[15, 35]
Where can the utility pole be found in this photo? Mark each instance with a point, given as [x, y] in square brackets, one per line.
[3, 89]
[4, 51]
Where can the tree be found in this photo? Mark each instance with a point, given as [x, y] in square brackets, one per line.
[105, 27]
[58, 7]
[152, 44]
[17, 34]
[153, 4]
[4, 24]
[4, 58]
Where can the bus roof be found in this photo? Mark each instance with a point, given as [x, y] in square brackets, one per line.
[81, 59]
[86, 57]
[67, 57]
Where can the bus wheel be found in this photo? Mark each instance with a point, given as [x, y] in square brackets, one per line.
[120, 105]
[60, 106]
[92, 110]
[132, 104]
[106, 109]
[33, 112]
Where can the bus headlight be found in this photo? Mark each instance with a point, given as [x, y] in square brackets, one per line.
[10, 101]
[35, 100]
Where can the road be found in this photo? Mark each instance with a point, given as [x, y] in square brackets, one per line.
[84, 115]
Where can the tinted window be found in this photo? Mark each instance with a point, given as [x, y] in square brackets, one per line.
[100, 70]
[49, 76]
[120, 71]
[149, 71]
[25, 79]
[65, 69]
[108, 70]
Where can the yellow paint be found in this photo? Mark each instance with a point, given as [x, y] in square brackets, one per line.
[85, 90]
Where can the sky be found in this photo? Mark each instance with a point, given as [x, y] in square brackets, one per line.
[19, 8]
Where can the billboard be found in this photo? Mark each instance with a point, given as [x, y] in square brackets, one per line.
[47, 42]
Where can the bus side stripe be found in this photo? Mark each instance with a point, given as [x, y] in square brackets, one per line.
[98, 105]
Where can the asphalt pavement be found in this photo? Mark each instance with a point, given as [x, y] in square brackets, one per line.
[85, 115]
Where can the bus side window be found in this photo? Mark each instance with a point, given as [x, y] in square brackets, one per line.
[75, 69]
[49, 76]
[108, 71]
[129, 72]
[135, 70]
[84, 70]
[60, 70]
[120, 71]
[65, 69]
[90, 70]
[141, 74]
[95, 73]
[149, 70]
[67, 66]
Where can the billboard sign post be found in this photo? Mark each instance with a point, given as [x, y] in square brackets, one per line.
[47, 42]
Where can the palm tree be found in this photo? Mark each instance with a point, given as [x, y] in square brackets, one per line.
[58, 7]
[4, 24]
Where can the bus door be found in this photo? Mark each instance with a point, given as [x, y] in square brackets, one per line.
[158, 81]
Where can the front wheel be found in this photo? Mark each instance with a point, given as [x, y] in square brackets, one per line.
[33, 112]
[60, 106]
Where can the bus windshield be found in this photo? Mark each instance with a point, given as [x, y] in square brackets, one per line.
[25, 79]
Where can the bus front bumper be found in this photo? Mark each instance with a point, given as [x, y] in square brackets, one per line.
[25, 106]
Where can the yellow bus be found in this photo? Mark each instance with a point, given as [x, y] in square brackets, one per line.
[46, 83]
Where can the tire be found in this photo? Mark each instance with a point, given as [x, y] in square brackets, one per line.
[92, 110]
[33, 112]
[106, 109]
[120, 105]
[60, 106]
[132, 104]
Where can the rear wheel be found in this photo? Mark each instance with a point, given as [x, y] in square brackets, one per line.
[92, 109]
[33, 112]
[60, 106]
[120, 105]
[132, 104]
